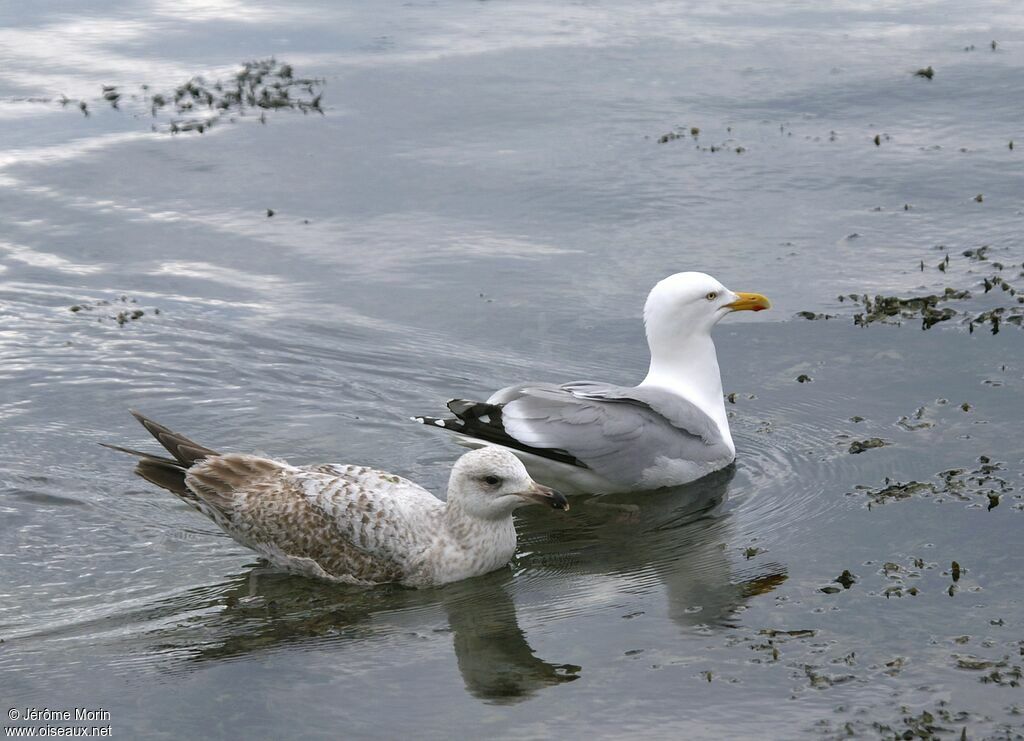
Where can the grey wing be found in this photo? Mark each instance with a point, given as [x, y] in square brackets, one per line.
[617, 432]
[511, 393]
[680, 413]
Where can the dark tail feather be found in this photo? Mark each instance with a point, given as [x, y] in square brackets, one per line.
[165, 476]
[167, 473]
[164, 472]
[142, 454]
[185, 452]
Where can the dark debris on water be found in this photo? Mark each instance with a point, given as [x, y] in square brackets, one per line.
[811, 316]
[916, 422]
[680, 132]
[846, 579]
[892, 309]
[935, 308]
[195, 106]
[121, 316]
[939, 723]
[983, 485]
[859, 446]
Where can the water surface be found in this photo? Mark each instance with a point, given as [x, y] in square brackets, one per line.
[486, 200]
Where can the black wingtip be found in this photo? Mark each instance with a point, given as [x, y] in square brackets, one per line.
[446, 423]
[484, 422]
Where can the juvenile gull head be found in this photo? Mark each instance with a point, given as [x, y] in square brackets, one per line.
[490, 483]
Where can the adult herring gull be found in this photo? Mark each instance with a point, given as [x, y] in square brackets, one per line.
[349, 523]
[588, 436]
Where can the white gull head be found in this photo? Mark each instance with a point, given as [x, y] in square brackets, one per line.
[680, 313]
[477, 534]
[490, 483]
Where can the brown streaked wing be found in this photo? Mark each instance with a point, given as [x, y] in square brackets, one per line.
[281, 510]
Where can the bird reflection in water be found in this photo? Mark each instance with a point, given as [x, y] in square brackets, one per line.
[265, 609]
[495, 660]
[680, 538]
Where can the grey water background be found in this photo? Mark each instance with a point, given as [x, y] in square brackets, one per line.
[486, 201]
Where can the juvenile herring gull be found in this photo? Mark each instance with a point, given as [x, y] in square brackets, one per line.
[350, 523]
[588, 436]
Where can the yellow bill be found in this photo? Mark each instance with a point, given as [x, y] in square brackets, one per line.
[750, 302]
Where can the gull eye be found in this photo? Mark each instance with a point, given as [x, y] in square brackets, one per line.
[492, 480]
[712, 296]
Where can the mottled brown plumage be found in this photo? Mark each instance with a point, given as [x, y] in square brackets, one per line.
[351, 523]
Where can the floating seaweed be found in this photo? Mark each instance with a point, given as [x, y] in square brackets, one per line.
[197, 105]
[680, 132]
[846, 579]
[981, 483]
[886, 308]
[261, 85]
[859, 446]
[121, 316]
